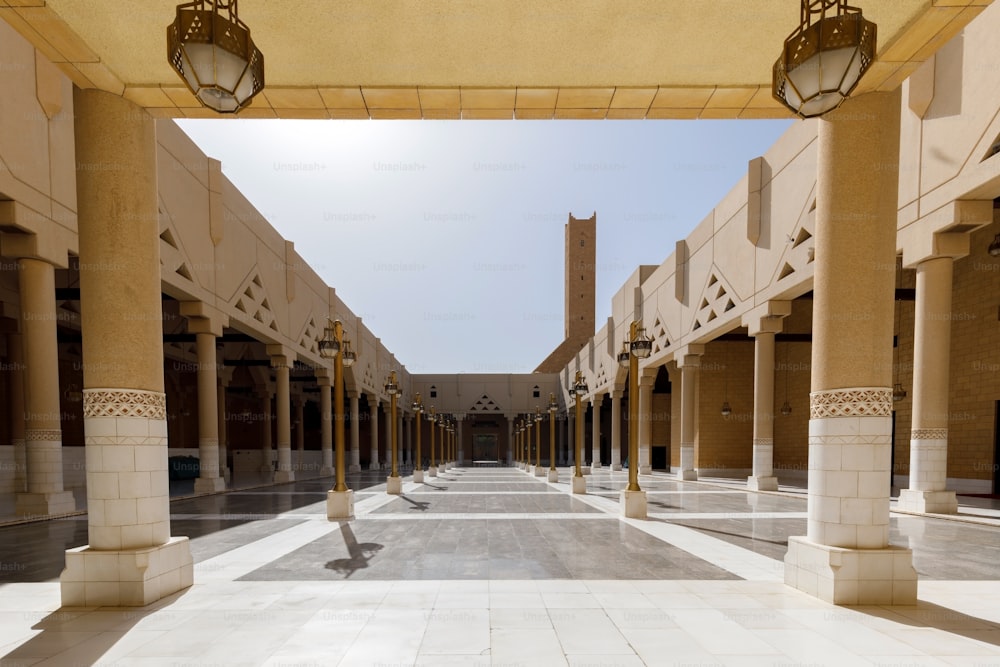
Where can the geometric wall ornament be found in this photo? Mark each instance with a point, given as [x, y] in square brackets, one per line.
[485, 404]
[251, 298]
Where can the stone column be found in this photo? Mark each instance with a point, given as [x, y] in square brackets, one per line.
[207, 324]
[675, 417]
[225, 377]
[931, 366]
[845, 558]
[355, 434]
[689, 361]
[16, 358]
[281, 360]
[131, 558]
[595, 431]
[510, 439]
[616, 429]
[645, 425]
[266, 464]
[300, 434]
[324, 379]
[373, 421]
[763, 323]
[42, 420]
[400, 442]
[571, 436]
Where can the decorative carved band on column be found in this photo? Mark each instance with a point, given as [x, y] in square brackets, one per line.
[124, 403]
[929, 434]
[42, 434]
[855, 402]
[763, 442]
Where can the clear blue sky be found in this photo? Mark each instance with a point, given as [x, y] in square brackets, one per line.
[447, 236]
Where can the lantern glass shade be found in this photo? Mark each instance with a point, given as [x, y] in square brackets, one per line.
[823, 61]
[786, 408]
[642, 347]
[328, 346]
[349, 356]
[211, 50]
[898, 393]
[994, 248]
[726, 410]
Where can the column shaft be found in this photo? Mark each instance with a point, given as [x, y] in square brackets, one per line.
[355, 435]
[595, 432]
[616, 429]
[220, 400]
[209, 479]
[763, 414]
[283, 409]
[326, 425]
[645, 424]
[16, 391]
[373, 433]
[689, 393]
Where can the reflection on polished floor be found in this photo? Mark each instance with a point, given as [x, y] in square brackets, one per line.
[494, 567]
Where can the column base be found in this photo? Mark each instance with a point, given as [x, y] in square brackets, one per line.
[418, 476]
[929, 502]
[584, 470]
[687, 475]
[326, 471]
[762, 483]
[645, 469]
[127, 577]
[432, 471]
[633, 504]
[851, 576]
[579, 484]
[374, 466]
[284, 476]
[595, 465]
[340, 505]
[541, 471]
[227, 475]
[354, 467]
[38, 505]
[265, 468]
[394, 485]
[553, 476]
[616, 467]
[209, 485]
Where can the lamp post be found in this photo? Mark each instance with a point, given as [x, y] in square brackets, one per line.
[553, 407]
[429, 416]
[418, 463]
[340, 499]
[578, 390]
[394, 484]
[529, 423]
[633, 499]
[440, 424]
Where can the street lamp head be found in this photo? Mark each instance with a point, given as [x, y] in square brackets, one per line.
[726, 410]
[429, 416]
[538, 414]
[418, 405]
[329, 346]
[642, 345]
[553, 405]
[391, 387]
[623, 356]
[348, 355]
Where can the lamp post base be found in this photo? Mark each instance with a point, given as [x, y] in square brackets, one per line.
[633, 504]
[394, 485]
[340, 505]
[418, 476]
[540, 471]
[553, 476]
[579, 484]
[432, 471]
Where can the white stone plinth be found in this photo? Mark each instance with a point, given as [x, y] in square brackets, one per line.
[432, 471]
[126, 577]
[930, 502]
[595, 465]
[584, 470]
[209, 485]
[394, 485]
[540, 471]
[553, 476]
[616, 467]
[688, 475]
[38, 505]
[340, 505]
[851, 576]
[762, 483]
[418, 476]
[579, 484]
[633, 504]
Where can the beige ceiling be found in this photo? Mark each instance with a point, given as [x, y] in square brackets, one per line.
[480, 58]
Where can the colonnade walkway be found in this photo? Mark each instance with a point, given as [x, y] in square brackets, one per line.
[491, 566]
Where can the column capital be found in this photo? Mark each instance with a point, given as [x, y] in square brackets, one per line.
[647, 377]
[689, 355]
[203, 318]
[281, 356]
[324, 377]
[225, 375]
[52, 245]
[616, 394]
[928, 237]
[767, 317]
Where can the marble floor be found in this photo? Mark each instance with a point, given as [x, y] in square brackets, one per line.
[491, 566]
